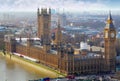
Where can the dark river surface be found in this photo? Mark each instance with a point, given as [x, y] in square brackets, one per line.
[13, 71]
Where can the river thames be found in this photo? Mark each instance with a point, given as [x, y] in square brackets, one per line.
[13, 71]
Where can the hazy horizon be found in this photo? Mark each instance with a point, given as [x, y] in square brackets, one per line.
[60, 5]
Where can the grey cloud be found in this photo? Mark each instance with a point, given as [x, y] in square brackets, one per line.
[33, 4]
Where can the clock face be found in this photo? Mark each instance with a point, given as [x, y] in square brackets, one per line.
[112, 35]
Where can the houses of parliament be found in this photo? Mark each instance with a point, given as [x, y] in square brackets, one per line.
[62, 57]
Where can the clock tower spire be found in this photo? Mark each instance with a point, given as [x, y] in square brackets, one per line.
[110, 38]
[109, 23]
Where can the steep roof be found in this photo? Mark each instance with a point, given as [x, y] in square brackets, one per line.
[109, 23]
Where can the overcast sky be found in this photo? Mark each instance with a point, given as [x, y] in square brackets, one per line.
[68, 5]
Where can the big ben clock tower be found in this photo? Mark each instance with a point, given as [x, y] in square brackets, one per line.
[110, 38]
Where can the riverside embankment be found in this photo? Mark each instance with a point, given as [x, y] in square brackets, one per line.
[30, 70]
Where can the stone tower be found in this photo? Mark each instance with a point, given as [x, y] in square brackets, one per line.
[44, 24]
[58, 42]
[58, 34]
[110, 38]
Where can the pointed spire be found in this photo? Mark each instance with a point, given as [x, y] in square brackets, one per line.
[58, 33]
[109, 23]
[109, 18]
[38, 12]
[49, 10]
[38, 9]
[59, 27]
[58, 22]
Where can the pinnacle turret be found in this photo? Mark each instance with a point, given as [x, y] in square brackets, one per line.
[109, 23]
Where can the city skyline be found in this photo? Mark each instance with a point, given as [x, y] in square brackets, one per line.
[66, 5]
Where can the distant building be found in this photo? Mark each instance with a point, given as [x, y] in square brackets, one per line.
[61, 56]
[3, 31]
[63, 20]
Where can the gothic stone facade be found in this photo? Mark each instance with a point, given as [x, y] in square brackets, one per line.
[65, 61]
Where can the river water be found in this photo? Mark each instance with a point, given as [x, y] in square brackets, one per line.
[13, 71]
